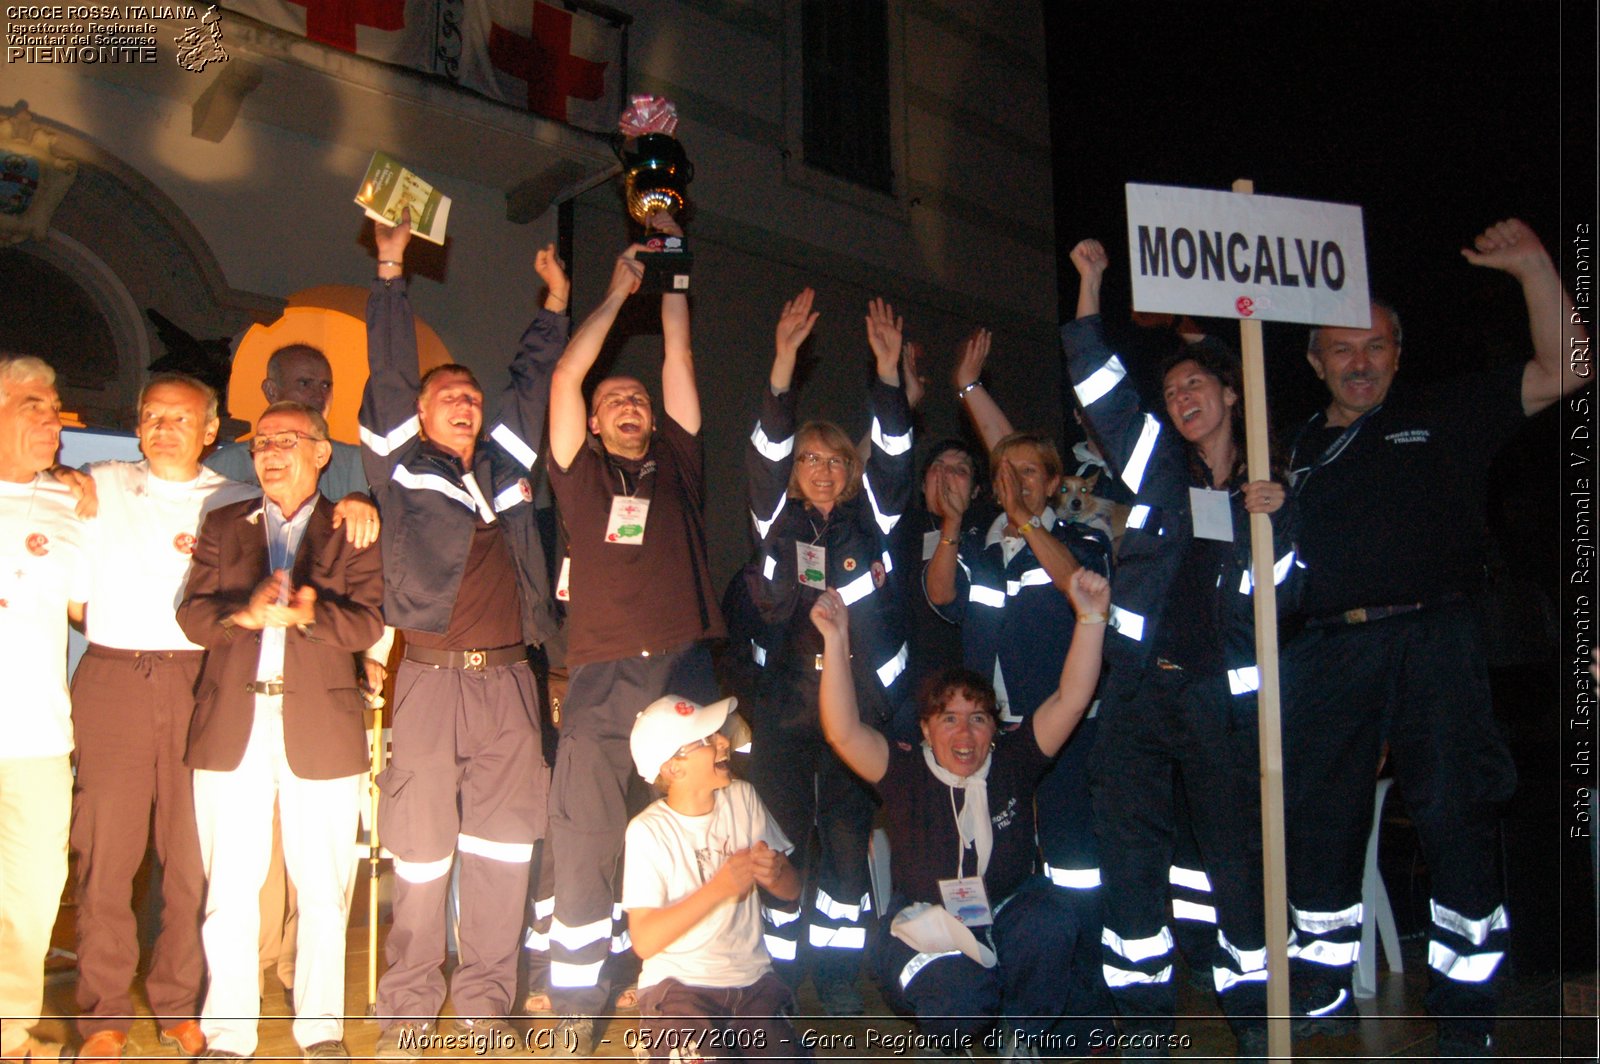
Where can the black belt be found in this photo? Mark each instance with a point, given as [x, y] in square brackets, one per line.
[1365, 614]
[476, 660]
[265, 687]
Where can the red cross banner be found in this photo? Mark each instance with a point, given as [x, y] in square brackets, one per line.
[564, 65]
[400, 32]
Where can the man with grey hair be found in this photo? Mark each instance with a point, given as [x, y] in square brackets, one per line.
[1391, 491]
[132, 698]
[43, 576]
[303, 374]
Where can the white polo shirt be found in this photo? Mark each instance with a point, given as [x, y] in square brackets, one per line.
[42, 568]
[140, 544]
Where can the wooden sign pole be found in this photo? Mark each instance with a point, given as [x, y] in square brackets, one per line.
[1259, 463]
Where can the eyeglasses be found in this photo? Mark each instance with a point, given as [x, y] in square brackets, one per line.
[689, 748]
[811, 460]
[281, 441]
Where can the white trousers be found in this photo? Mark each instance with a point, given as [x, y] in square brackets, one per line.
[35, 805]
[234, 813]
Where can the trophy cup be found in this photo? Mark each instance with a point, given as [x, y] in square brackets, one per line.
[655, 173]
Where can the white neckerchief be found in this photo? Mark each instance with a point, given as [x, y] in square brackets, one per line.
[972, 821]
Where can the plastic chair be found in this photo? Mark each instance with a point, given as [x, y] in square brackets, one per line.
[1377, 919]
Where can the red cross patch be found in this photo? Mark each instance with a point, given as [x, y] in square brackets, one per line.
[38, 544]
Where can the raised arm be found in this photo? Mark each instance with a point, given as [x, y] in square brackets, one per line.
[940, 576]
[986, 415]
[1552, 319]
[679, 392]
[862, 748]
[519, 420]
[389, 400]
[1089, 256]
[569, 420]
[1054, 721]
[1054, 555]
[886, 480]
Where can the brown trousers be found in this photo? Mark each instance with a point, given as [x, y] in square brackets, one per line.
[718, 1023]
[130, 713]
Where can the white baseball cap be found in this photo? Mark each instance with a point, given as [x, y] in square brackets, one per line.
[669, 724]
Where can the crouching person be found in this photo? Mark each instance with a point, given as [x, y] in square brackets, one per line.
[282, 604]
[974, 936]
[698, 867]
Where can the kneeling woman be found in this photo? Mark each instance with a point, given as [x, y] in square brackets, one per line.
[975, 934]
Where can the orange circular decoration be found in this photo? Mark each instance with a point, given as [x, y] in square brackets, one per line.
[331, 318]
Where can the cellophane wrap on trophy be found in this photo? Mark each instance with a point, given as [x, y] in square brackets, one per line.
[656, 171]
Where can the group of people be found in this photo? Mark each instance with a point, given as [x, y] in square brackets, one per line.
[1053, 725]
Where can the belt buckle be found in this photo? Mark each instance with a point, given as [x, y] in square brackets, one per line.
[1356, 616]
[475, 659]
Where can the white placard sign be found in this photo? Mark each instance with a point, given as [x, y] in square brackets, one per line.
[1231, 255]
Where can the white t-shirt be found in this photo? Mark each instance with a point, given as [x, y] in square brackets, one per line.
[669, 856]
[42, 567]
[140, 544]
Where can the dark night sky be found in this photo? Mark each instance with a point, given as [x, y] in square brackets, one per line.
[1436, 118]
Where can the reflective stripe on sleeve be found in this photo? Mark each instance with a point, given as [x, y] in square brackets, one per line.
[986, 596]
[890, 445]
[885, 521]
[858, 589]
[1133, 472]
[890, 670]
[1097, 384]
[771, 450]
[384, 444]
[1127, 623]
[514, 445]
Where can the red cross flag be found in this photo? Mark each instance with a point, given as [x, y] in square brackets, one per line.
[564, 65]
[391, 31]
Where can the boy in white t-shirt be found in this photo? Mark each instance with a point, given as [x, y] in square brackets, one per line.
[694, 865]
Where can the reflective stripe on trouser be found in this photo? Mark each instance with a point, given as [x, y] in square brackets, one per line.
[951, 994]
[466, 778]
[590, 806]
[1153, 726]
[802, 783]
[1194, 909]
[1072, 864]
[1417, 680]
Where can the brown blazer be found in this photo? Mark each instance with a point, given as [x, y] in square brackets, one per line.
[323, 733]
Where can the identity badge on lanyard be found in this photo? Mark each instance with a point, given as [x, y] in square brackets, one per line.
[811, 563]
[967, 900]
[1213, 517]
[628, 516]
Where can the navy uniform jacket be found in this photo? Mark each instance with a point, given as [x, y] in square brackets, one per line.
[856, 537]
[428, 512]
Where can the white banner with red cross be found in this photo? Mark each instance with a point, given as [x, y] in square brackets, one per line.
[560, 64]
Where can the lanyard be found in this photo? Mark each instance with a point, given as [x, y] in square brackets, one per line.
[1298, 476]
[645, 470]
